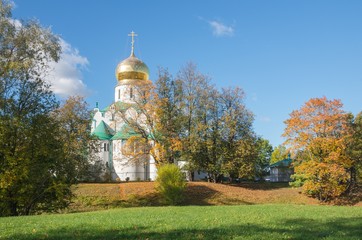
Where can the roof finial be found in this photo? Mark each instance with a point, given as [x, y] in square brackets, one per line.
[132, 34]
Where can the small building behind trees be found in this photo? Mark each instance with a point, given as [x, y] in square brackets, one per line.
[281, 170]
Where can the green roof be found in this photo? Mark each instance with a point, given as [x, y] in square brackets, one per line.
[283, 163]
[103, 131]
[125, 133]
[120, 106]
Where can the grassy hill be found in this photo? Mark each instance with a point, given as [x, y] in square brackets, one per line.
[91, 197]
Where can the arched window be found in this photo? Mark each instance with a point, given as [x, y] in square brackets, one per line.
[131, 93]
[105, 147]
[119, 94]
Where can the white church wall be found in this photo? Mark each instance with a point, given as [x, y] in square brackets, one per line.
[125, 93]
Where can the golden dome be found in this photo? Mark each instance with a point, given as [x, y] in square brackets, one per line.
[132, 68]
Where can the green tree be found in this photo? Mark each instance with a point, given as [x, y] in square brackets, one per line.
[191, 121]
[193, 85]
[265, 150]
[29, 148]
[37, 164]
[239, 152]
[354, 148]
[168, 115]
[73, 118]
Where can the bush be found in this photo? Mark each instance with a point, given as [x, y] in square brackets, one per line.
[170, 183]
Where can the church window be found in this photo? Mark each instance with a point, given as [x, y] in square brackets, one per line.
[119, 93]
[131, 93]
[105, 147]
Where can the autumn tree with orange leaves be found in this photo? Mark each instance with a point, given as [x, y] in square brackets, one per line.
[317, 133]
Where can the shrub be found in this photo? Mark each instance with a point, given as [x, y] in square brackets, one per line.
[170, 183]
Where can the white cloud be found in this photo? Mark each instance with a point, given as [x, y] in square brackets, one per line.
[219, 29]
[66, 77]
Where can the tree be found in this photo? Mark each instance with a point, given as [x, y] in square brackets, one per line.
[319, 131]
[193, 85]
[239, 152]
[279, 153]
[265, 150]
[187, 119]
[168, 116]
[35, 169]
[73, 118]
[354, 148]
[28, 148]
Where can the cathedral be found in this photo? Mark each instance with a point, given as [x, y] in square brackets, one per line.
[112, 131]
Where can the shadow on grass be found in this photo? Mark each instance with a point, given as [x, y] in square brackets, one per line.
[95, 203]
[199, 195]
[202, 195]
[339, 228]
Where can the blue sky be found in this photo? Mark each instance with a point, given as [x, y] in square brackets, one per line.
[282, 53]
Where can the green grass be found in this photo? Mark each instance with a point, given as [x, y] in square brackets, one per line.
[193, 222]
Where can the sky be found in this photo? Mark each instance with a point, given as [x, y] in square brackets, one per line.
[280, 52]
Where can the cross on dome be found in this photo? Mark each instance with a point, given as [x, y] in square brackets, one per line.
[132, 34]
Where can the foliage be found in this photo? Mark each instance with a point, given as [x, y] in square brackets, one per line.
[171, 183]
[210, 125]
[318, 132]
[29, 149]
[325, 181]
[39, 153]
[354, 148]
[279, 153]
[193, 222]
[74, 117]
[168, 117]
[187, 119]
[265, 150]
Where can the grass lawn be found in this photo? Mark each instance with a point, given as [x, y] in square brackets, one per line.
[264, 221]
